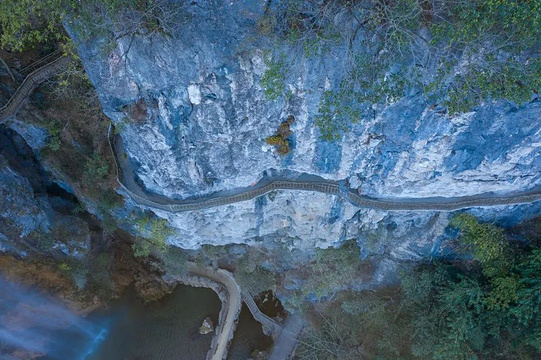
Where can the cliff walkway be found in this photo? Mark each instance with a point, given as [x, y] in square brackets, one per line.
[53, 63]
[126, 179]
[36, 73]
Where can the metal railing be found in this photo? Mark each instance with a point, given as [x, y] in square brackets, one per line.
[33, 79]
[41, 62]
[266, 321]
[327, 187]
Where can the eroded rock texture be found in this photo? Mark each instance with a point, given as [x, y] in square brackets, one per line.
[194, 118]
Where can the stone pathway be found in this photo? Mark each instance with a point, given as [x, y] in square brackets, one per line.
[287, 342]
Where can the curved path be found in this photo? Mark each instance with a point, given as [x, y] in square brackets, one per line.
[286, 336]
[38, 73]
[232, 307]
[126, 179]
[55, 62]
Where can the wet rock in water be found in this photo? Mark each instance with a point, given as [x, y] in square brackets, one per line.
[258, 355]
[207, 326]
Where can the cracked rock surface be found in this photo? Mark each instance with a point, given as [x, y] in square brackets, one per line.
[194, 118]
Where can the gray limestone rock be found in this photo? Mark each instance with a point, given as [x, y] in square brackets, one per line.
[194, 117]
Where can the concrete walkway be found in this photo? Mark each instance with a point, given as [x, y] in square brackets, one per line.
[126, 178]
[287, 336]
[232, 307]
[287, 342]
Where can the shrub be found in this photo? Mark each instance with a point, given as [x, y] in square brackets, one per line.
[27, 23]
[160, 231]
[280, 138]
[141, 248]
[274, 76]
[54, 142]
[155, 232]
[95, 171]
[267, 23]
[254, 277]
[173, 261]
[486, 242]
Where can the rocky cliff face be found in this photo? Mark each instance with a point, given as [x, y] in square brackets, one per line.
[194, 118]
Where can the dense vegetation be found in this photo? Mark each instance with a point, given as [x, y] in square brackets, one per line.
[26, 23]
[488, 307]
[458, 53]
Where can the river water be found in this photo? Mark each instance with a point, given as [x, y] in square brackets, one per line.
[167, 329]
[32, 323]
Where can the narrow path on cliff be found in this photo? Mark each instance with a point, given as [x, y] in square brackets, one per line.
[54, 63]
[38, 72]
[127, 180]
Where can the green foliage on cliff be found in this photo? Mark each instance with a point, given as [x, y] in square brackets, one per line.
[254, 277]
[96, 170]
[459, 53]
[153, 233]
[331, 270]
[336, 112]
[486, 242]
[514, 79]
[488, 307]
[27, 23]
[141, 248]
[274, 76]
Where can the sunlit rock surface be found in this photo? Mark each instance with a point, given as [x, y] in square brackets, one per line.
[194, 118]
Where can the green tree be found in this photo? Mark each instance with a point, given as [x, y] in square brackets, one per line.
[528, 305]
[254, 277]
[27, 23]
[486, 243]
